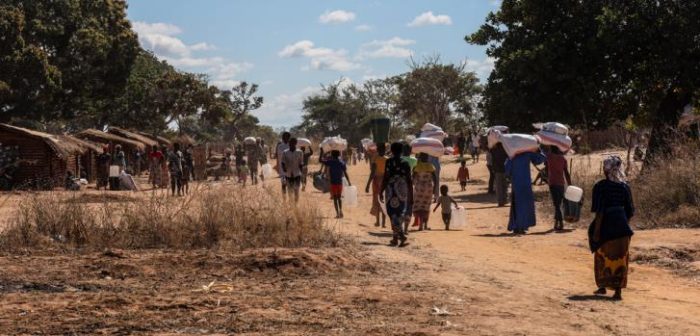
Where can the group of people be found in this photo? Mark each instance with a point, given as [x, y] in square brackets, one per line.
[247, 159]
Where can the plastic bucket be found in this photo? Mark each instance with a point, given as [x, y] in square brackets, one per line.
[572, 211]
[114, 171]
[350, 196]
[380, 129]
[459, 218]
[574, 194]
[267, 171]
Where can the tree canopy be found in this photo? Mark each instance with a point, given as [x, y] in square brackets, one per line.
[591, 63]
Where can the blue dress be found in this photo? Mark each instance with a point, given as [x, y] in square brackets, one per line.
[522, 209]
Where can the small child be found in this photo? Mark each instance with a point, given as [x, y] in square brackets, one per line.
[243, 172]
[463, 175]
[336, 169]
[445, 201]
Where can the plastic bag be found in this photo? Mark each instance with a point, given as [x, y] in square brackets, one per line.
[321, 183]
[249, 141]
[459, 218]
[303, 142]
[430, 127]
[430, 146]
[267, 171]
[350, 196]
[563, 142]
[334, 143]
[435, 134]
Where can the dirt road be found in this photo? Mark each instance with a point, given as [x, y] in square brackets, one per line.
[539, 284]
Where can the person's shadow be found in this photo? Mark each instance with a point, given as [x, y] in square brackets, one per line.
[590, 297]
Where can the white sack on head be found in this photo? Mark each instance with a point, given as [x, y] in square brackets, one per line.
[410, 138]
[430, 127]
[515, 144]
[436, 134]
[430, 146]
[563, 142]
[555, 127]
[334, 143]
[249, 141]
[493, 133]
[303, 142]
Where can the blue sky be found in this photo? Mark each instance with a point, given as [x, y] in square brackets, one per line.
[292, 47]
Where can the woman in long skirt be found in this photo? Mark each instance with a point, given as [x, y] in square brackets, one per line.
[610, 234]
[396, 189]
[522, 209]
[424, 182]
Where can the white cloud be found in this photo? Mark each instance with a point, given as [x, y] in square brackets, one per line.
[428, 18]
[363, 28]
[336, 16]
[320, 58]
[392, 48]
[482, 68]
[161, 39]
[285, 110]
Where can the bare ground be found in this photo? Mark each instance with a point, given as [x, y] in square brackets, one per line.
[482, 280]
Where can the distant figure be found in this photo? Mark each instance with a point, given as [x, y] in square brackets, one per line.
[445, 202]
[70, 183]
[424, 182]
[189, 162]
[175, 168]
[522, 210]
[103, 163]
[558, 178]
[154, 173]
[120, 157]
[262, 156]
[463, 175]
[305, 173]
[499, 157]
[610, 234]
[164, 171]
[243, 172]
[377, 168]
[475, 147]
[461, 144]
[292, 166]
[137, 162]
[412, 162]
[255, 154]
[337, 169]
[397, 190]
[279, 150]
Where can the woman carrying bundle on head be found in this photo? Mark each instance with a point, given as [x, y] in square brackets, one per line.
[424, 180]
[609, 235]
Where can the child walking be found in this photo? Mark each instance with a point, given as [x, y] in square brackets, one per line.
[243, 172]
[445, 201]
[463, 175]
[337, 169]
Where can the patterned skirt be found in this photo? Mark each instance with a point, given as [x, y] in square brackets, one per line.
[612, 263]
[423, 192]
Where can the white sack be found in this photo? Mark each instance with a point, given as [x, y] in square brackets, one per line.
[249, 141]
[563, 142]
[430, 146]
[430, 127]
[303, 142]
[334, 143]
[515, 144]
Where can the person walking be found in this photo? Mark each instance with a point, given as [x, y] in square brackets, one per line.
[337, 169]
[522, 210]
[499, 158]
[104, 160]
[282, 147]
[292, 166]
[397, 190]
[558, 178]
[377, 168]
[475, 147]
[154, 159]
[175, 168]
[424, 179]
[305, 173]
[610, 234]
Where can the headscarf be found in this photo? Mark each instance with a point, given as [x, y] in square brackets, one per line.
[613, 169]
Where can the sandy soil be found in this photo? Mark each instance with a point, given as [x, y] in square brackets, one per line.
[483, 280]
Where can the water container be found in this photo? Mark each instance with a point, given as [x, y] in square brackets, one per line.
[114, 171]
[267, 171]
[380, 129]
[574, 194]
[573, 201]
[459, 218]
[350, 196]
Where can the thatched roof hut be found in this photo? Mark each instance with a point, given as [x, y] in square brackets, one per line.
[160, 139]
[185, 140]
[43, 159]
[133, 136]
[109, 138]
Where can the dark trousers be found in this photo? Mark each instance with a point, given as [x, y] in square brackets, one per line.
[492, 179]
[501, 188]
[557, 193]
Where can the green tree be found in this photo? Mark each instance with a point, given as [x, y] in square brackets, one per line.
[592, 62]
[64, 58]
[242, 99]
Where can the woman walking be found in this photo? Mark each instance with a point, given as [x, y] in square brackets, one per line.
[397, 190]
[609, 235]
[376, 176]
[522, 209]
[425, 179]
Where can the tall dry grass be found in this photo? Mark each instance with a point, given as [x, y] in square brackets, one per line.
[666, 194]
[224, 218]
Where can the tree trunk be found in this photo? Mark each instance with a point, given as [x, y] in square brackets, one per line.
[665, 124]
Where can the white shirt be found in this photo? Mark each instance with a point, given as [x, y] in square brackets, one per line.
[292, 161]
[281, 148]
[475, 141]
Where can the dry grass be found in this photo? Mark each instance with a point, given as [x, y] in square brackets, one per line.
[223, 218]
[666, 195]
